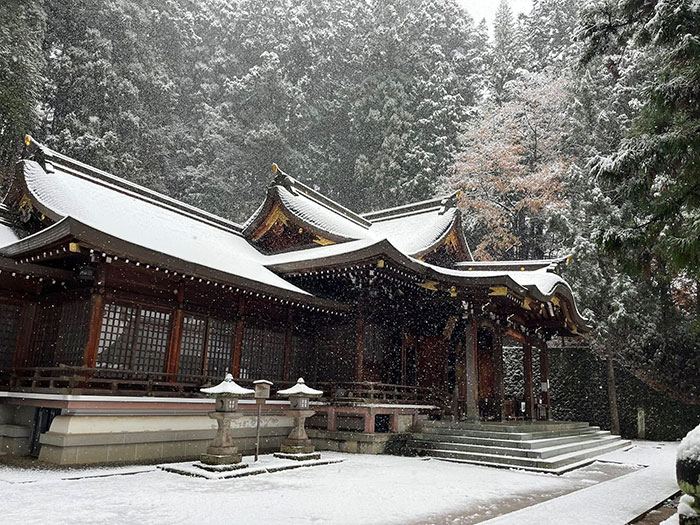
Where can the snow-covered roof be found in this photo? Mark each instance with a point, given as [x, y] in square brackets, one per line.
[9, 232]
[90, 203]
[125, 215]
[228, 387]
[413, 228]
[418, 232]
[315, 211]
[300, 389]
[8, 235]
[540, 284]
[324, 219]
[107, 212]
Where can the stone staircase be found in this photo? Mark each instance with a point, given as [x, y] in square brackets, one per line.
[543, 446]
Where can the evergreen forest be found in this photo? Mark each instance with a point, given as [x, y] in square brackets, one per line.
[572, 129]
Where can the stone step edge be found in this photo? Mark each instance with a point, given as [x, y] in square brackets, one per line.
[514, 436]
[537, 453]
[504, 427]
[554, 460]
[527, 443]
[558, 471]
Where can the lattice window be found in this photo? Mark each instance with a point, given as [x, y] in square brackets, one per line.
[194, 332]
[220, 346]
[9, 326]
[119, 325]
[45, 335]
[151, 348]
[262, 353]
[73, 331]
[301, 359]
[133, 338]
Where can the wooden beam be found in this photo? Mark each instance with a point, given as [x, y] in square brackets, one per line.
[172, 361]
[288, 334]
[238, 339]
[529, 390]
[472, 367]
[403, 356]
[544, 374]
[97, 307]
[359, 346]
[497, 343]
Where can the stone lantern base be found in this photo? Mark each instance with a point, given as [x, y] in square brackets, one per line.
[220, 467]
[220, 459]
[306, 448]
[298, 456]
[298, 446]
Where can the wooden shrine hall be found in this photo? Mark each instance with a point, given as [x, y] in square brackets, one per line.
[114, 298]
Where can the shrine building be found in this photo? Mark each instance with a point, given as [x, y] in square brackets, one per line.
[118, 303]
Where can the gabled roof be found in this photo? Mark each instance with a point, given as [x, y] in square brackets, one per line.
[109, 212]
[312, 210]
[415, 228]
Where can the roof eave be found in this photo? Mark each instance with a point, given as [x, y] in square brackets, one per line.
[71, 229]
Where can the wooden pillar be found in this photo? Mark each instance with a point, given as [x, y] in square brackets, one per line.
[238, 339]
[369, 421]
[529, 389]
[403, 356]
[359, 345]
[288, 333]
[497, 343]
[332, 421]
[97, 308]
[172, 362]
[544, 374]
[471, 356]
[394, 422]
[24, 335]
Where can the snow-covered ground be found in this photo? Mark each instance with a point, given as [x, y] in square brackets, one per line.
[361, 489]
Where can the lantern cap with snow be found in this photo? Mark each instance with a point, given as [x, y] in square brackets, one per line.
[299, 394]
[228, 388]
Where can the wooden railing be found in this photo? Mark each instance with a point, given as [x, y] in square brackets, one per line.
[106, 381]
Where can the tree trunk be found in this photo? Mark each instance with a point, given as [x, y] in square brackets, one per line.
[612, 394]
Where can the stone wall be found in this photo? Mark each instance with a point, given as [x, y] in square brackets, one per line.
[579, 392]
[129, 438]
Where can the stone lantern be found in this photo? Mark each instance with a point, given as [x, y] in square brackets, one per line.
[298, 445]
[221, 450]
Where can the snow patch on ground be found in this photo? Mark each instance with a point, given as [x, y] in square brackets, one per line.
[361, 489]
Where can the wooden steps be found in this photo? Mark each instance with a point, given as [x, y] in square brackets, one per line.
[552, 446]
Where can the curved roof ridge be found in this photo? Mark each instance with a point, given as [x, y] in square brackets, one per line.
[445, 201]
